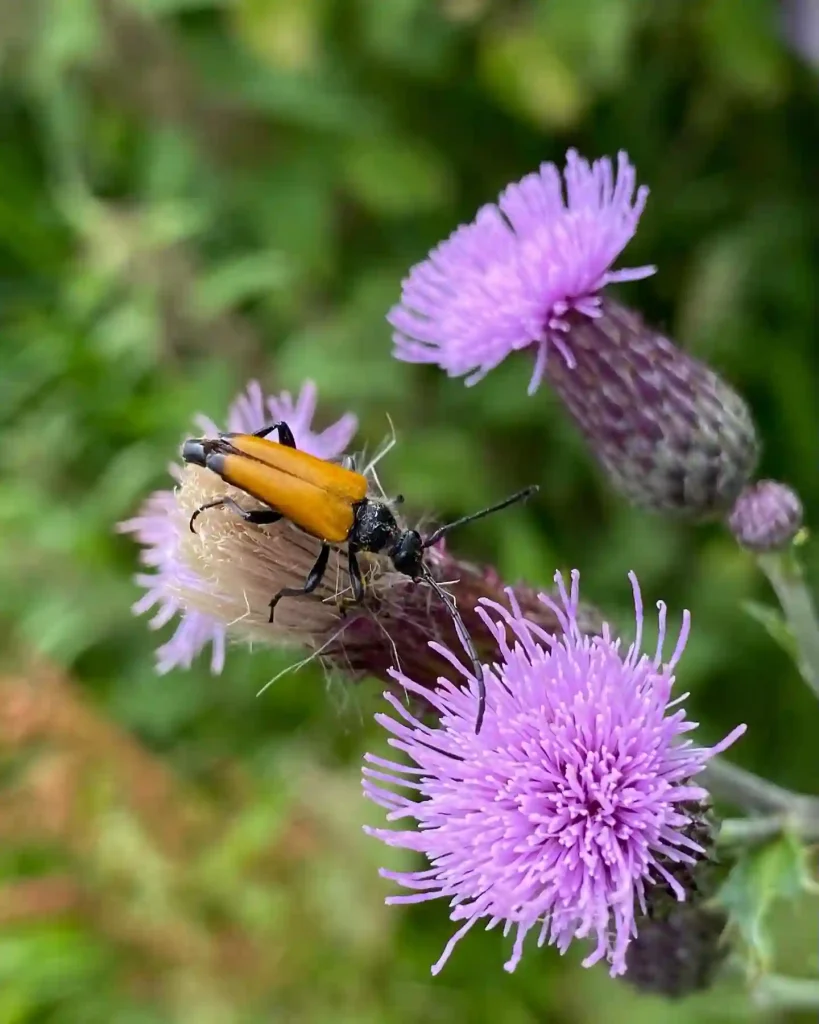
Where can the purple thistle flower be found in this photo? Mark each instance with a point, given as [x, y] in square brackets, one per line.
[529, 271]
[509, 279]
[162, 525]
[567, 806]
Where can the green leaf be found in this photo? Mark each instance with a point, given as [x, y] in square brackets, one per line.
[395, 177]
[235, 281]
[526, 72]
[408, 34]
[743, 47]
[323, 100]
[778, 870]
[284, 34]
[158, 7]
[73, 36]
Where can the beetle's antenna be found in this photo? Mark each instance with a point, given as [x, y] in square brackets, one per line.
[527, 492]
[466, 640]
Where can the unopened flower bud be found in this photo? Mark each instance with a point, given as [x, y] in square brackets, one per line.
[679, 954]
[766, 517]
[671, 435]
[679, 947]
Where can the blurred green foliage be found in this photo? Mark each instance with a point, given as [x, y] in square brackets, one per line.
[196, 192]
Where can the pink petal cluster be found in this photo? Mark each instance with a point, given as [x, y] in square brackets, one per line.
[562, 811]
[158, 525]
[508, 280]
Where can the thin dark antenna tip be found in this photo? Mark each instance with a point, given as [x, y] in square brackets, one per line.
[481, 707]
[513, 499]
[466, 639]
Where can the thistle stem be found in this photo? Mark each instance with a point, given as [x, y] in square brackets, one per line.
[802, 822]
[776, 991]
[785, 575]
[751, 792]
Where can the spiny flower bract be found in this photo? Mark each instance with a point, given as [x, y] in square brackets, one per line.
[508, 280]
[161, 526]
[560, 814]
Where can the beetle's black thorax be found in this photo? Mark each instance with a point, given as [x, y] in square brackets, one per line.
[374, 526]
[375, 529]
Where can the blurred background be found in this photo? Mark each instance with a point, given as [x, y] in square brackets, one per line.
[197, 192]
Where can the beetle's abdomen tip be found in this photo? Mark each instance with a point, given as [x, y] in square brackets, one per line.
[193, 451]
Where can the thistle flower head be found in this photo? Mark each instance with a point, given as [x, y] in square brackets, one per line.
[176, 584]
[507, 281]
[767, 516]
[529, 272]
[569, 803]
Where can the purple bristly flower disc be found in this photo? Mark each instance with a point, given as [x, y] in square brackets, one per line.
[507, 280]
[564, 809]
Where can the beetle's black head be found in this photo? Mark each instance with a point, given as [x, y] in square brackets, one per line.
[195, 451]
[407, 554]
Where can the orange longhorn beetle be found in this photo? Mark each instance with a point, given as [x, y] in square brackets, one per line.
[328, 501]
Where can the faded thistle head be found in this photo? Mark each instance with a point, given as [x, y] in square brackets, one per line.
[220, 579]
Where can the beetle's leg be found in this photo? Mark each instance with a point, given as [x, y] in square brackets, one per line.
[259, 517]
[314, 578]
[356, 582]
[285, 433]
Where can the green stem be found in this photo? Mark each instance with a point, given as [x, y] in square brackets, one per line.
[801, 819]
[775, 991]
[749, 831]
[785, 575]
[742, 788]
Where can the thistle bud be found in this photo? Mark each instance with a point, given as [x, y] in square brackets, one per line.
[678, 948]
[678, 955]
[697, 876]
[766, 517]
[671, 435]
